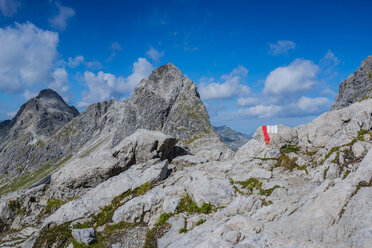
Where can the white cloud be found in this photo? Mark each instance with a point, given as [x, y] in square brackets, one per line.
[231, 86]
[28, 94]
[260, 111]
[154, 54]
[103, 86]
[298, 76]
[247, 101]
[329, 92]
[305, 106]
[60, 21]
[61, 84]
[75, 62]
[312, 105]
[27, 56]
[115, 47]
[330, 59]
[11, 114]
[281, 47]
[9, 7]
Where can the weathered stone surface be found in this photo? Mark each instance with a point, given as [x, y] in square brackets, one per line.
[256, 147]
[86, 235]
[101, 195]
[90, 168]
[357, 87]
[214, 190]
[186, 161]
[144, 145]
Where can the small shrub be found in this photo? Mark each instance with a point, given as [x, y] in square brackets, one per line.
[251, 183]
[183, 230]
[201, 221]
[188, 205]
[52, 206]
[164, 217]
[290, 148]
[267, 192]
[14, 205]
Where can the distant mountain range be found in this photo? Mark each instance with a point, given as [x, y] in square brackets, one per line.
[232, 138]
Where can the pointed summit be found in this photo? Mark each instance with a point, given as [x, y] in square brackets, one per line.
[37, 120]
[49, 93]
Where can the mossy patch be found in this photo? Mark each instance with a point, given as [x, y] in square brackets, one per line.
[188, 205]
[200, 222]
[161, 227]
[52, 206]
[105, 215]
[54, 236]
[363, 132]
[290, 148]
[183, 230]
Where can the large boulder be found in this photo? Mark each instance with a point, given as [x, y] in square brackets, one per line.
[86, 235]
[215, 190]
[257, 148]
[144, 145]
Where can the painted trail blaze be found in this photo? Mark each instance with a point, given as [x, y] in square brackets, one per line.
[266, 135]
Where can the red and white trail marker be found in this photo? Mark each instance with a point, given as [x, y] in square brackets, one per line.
[269, 129]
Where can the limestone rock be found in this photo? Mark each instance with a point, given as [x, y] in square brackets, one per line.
[90, 168]
[256, 147]
[101, 195]
[214, 190]
[144, 145]
[357, 87]
[86, 235]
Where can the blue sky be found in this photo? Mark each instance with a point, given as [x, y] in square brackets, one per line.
[255, 62]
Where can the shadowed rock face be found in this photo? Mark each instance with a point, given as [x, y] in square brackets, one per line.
[357, 87]
[36, 121]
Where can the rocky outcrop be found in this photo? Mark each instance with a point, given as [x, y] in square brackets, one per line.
[36, 121]
[357, 87]
[309, 187]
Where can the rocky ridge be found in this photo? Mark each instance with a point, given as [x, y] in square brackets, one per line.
[310, 187]
[357, 87]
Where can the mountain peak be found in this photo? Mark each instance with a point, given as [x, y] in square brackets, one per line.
[49, 93]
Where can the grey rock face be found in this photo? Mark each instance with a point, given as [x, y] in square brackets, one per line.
[169, 102]
[87, 170]
[86, 235]
[102, 195]
[357, 87]
[36, 121]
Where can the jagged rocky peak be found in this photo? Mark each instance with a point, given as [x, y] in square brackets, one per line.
[357, 87]
[37, 120]
[167, 101]
[45, 113]
[165, 81]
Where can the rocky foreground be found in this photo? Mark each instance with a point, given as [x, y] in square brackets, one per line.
[151, 172]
